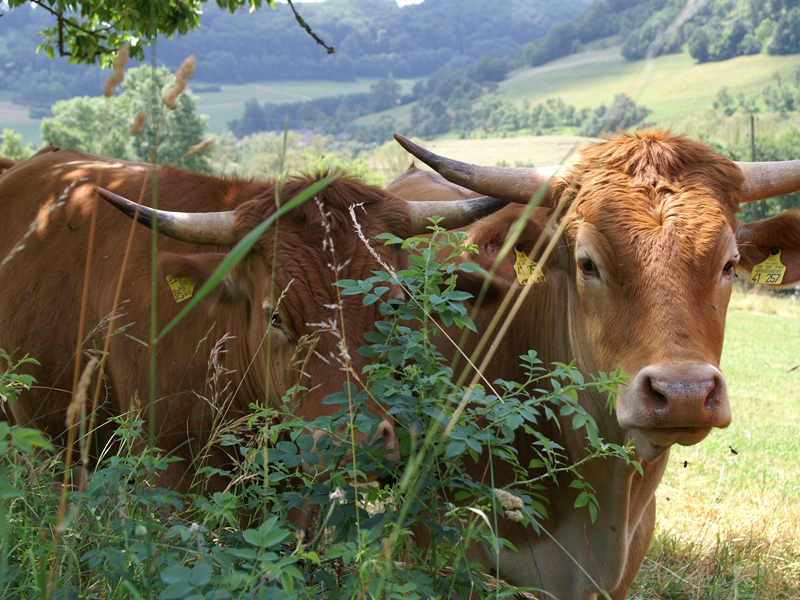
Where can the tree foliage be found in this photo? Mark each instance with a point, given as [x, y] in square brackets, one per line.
[12, 146]
[90, 31]
[102, 125]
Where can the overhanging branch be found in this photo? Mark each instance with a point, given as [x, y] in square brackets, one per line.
[307, 27]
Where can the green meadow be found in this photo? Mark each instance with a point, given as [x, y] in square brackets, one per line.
[219, 106]
[674, 86]
[228, 103]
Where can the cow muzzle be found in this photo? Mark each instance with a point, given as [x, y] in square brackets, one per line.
[677, 403]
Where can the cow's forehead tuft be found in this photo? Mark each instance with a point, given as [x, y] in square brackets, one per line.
[654, 161]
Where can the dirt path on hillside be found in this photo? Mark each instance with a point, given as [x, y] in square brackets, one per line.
[281, 92]
[596, 57]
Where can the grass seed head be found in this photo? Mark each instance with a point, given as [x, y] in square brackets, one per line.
[182, 75]
[204, 145]
[138, 123]
[119, 71]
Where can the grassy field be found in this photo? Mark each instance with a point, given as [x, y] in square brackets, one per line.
[729, 523]
[674, 87]
[221, 106]
[228, 103]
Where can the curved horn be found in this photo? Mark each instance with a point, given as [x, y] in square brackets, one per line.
[456, 213]
[509, 183]
[211, 229]
[769, 179]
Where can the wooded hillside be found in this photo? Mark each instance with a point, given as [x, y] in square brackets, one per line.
[373, 38]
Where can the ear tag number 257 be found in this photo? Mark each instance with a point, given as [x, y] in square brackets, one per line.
[182, 287]
[528, 271]
[769, 272]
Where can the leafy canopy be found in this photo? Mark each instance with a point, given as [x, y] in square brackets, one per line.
[91, 31]
[102, 125]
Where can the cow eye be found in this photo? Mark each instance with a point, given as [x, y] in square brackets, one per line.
[588, 268]
[272, 316]
[728, 266]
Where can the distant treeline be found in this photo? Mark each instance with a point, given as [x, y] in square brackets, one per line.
[719, 30]
[444, 103]
[453, 89]
[373, 38]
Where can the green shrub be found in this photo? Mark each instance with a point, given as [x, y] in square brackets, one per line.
[123, 537]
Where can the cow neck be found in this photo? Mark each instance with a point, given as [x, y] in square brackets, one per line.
[601, 547]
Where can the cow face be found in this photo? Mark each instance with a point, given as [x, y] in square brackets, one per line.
[651, 260]
[650, 248]
[646, 248]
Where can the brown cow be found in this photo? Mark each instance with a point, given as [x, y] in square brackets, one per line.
[416, 185]
[277, 302]
[639, 276]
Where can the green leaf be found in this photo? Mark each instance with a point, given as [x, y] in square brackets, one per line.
[200, 574]
[176, 591]
[27, 439]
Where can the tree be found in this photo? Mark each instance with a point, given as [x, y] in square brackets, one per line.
[622, 114]
[90, 31]
[102, 125]
[786, 39]
[12, 146]
[253, 121]
[698, 45]
[384, 94]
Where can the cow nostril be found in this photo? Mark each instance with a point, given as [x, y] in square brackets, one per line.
[660, 399]
[711, 398]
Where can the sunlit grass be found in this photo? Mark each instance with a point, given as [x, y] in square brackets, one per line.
[675, 88]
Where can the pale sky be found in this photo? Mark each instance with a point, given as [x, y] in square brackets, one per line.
[400, 2]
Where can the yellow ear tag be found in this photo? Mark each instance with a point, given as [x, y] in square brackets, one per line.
[528, 271]
[182, 287]
[769, 272]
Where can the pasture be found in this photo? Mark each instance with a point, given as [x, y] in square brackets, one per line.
[672, 86]
[228, 103]
[678, 90]
[219, 106]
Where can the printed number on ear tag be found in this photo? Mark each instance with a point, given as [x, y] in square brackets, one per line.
[769, 272]
[528, 271]
[182, 287]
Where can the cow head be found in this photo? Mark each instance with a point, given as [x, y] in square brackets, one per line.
[648, 243]
[292, 327]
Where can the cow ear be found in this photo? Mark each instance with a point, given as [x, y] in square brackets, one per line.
[490, 238]
[756, 240]
[234, 287]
